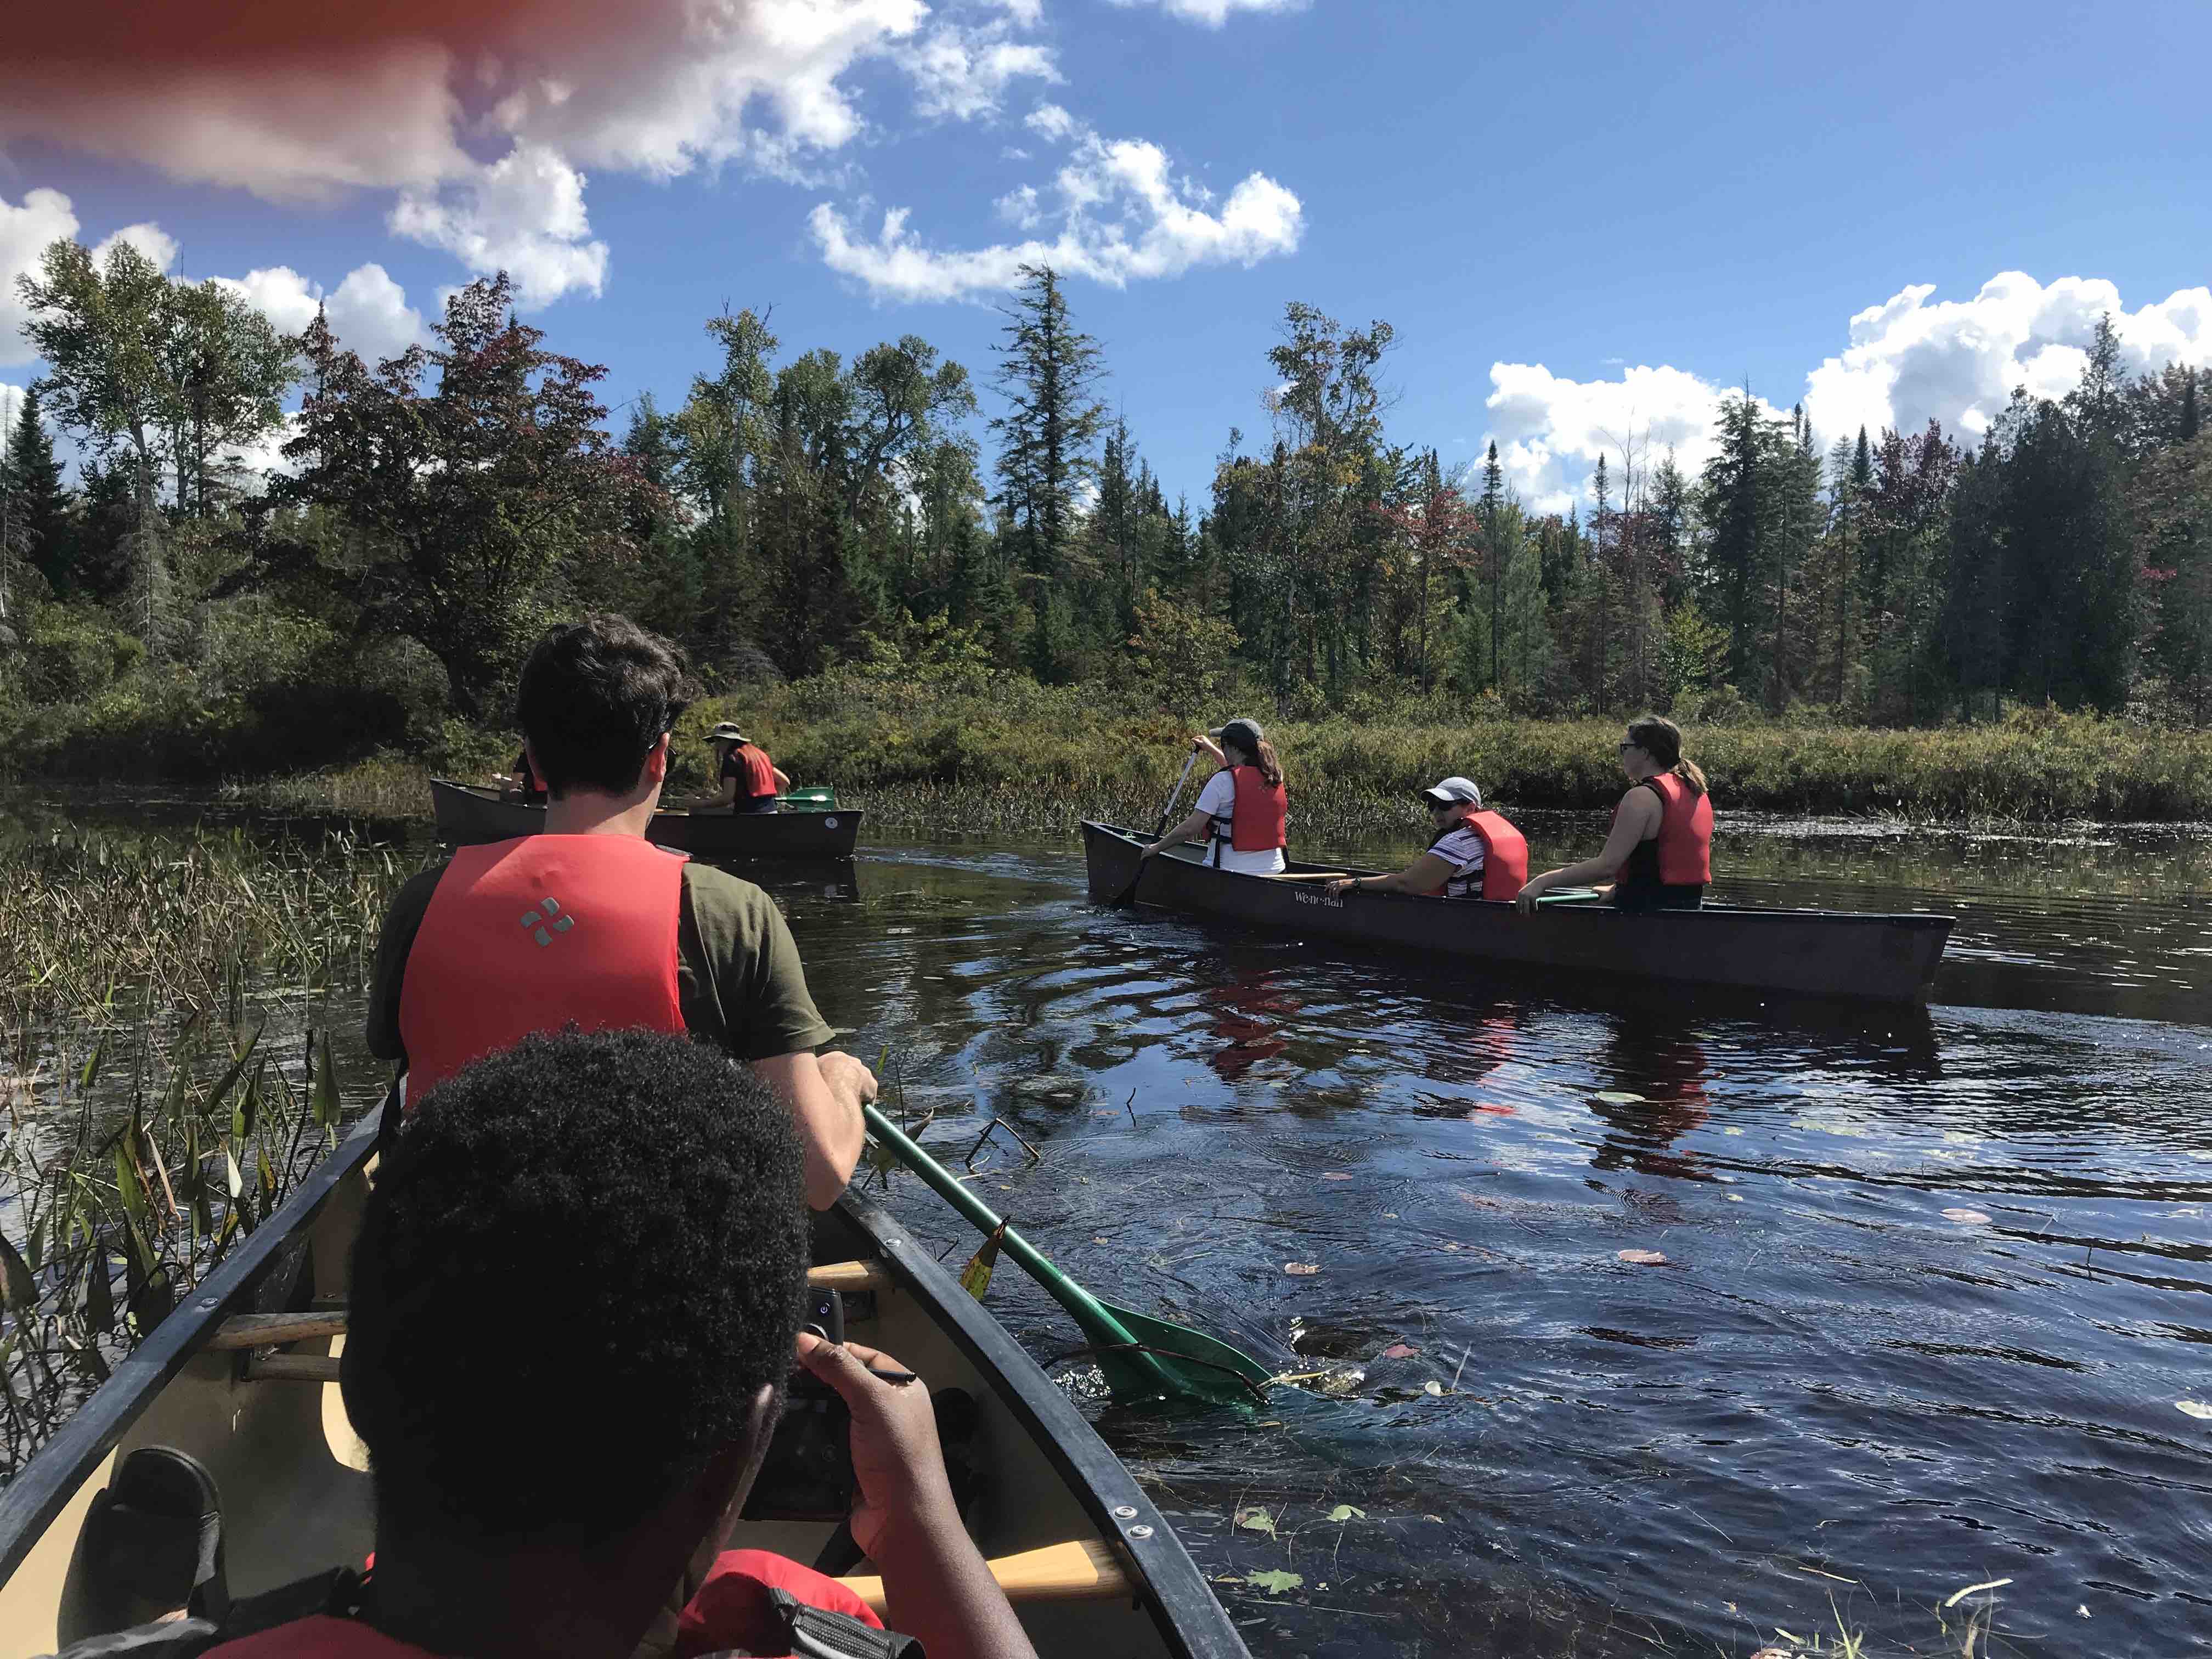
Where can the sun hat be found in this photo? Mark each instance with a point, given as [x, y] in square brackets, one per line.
[727, 729]
[1453, 789]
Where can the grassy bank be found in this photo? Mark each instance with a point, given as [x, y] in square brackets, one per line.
[1011, 755]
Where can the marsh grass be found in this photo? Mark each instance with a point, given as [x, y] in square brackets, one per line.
[119, 1194]
[1007, 755]
[87, 916]
[154, 1116]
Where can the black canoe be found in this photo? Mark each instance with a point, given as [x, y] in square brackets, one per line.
[1812, 953]
[469, 813]
[244, 1383]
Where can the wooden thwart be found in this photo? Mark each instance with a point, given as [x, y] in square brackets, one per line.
[270, 1330]
[1083, 1569]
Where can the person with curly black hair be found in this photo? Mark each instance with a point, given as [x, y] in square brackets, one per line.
[590, 923]
[629, 1205]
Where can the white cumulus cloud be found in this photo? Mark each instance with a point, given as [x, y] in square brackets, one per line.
[1551, 431]
[151, 239]
[523, 215]
[1906, 362]
[962, 74]
[1123, 216]
[1958, 360]
[1212, 14]
[368, 311]
[25, 231]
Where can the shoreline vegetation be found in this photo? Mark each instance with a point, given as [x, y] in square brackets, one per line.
[989, 753]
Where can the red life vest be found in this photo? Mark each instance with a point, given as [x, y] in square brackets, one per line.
[1684, 846]
[1258, 818]
[733, 1609]
[1504, 858]
[754, 772]
[528, 935]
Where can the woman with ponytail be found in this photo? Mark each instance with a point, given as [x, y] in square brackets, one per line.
[1242, 810]
[1658, 856]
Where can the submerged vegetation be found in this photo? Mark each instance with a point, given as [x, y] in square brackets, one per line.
[161, 1098]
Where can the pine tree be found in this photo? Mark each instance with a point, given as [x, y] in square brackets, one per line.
[1046, 373]
[33, 503]
[2187, 429]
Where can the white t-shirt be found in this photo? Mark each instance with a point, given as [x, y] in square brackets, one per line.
[1466, 851]
[1220, 797]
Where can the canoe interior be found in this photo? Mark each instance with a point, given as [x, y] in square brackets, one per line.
[297, 1497]
[1817, 954]
[469, 813]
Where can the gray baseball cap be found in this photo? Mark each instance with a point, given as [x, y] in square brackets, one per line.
[1454, 789]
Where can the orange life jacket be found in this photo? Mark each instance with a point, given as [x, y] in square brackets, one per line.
[1683, 849]
[754, 772]
[1259, 816]
[528, 935]
[1504, 860]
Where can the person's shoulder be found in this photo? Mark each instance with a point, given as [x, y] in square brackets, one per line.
[708, 883]
[1462, 841]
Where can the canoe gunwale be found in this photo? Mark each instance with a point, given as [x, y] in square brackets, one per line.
[1190, 1619]
[58, 1469]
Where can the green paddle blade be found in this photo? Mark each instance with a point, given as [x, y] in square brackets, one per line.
[806, 800]
[1204, 1367]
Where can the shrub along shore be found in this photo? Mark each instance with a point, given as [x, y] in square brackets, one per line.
[1010, 755]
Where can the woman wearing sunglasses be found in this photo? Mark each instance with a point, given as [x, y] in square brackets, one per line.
[1658, 856]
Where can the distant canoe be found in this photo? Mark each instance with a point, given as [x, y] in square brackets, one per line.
[469, 813]
[1812, 953]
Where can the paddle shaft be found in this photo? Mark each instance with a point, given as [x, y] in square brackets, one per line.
[1086, 1309]
[1183, 777]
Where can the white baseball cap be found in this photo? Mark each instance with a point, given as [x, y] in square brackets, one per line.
[1454, 789]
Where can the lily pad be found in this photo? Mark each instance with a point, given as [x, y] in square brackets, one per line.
[1621, 1097]
[1347, 1512]
[1257, 1519]
[1275, 1581]
[1302, 1267]
[1641, 1258]
[2194, 1407]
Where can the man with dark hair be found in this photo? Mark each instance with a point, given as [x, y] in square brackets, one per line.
[628, 1204]
[590, 924]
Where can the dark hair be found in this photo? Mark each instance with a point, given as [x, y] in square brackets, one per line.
[1245, 736]
[582, 1260]
[595, 696]
[1660, 738]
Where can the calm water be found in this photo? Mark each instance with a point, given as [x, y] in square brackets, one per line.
[1831, 1400]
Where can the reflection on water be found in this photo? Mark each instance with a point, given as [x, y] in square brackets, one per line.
[1806, 1380]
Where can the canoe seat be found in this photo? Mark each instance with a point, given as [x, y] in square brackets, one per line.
[269, 1330]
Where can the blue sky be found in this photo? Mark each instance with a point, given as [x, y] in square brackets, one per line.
[1649, 203]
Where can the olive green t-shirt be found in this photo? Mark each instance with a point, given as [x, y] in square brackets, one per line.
[738, 978]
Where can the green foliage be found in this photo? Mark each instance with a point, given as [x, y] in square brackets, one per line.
[73, 652]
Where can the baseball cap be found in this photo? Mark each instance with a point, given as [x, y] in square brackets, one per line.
[1454, 789]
